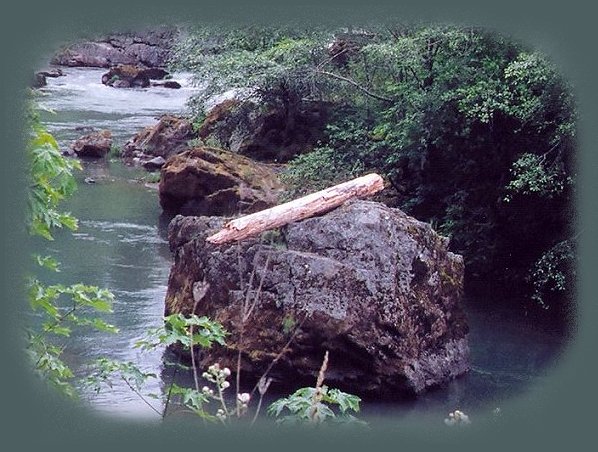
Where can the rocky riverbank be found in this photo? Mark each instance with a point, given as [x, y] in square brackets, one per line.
[147, 48]
[374, 287]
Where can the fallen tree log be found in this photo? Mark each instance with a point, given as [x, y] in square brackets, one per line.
[298, 209]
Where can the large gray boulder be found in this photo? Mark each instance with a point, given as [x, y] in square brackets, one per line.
[376, 288]
[147, 48]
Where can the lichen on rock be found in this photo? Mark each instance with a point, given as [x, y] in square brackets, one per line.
[167, 137]
[212, 181]
[364, 282]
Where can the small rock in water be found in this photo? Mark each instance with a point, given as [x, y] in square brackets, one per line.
[94, 145]
[154, 164]
[89, 180]
[168, 84]
[84, 128]
[53, 73]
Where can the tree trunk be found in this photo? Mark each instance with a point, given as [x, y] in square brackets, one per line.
[299, 209]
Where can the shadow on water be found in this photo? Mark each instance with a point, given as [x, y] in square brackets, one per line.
[510, 356]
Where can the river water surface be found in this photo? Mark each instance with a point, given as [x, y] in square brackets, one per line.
[121, 245]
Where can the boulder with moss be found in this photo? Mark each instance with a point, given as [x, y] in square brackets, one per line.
[93, 145]
[376, 288]
[264, 133]
[167, 137]
[212, 181]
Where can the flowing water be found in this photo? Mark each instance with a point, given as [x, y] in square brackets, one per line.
[121, 245]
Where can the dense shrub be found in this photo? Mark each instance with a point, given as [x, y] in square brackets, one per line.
[474, 132]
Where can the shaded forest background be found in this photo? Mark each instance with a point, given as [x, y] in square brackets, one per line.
[474, 131]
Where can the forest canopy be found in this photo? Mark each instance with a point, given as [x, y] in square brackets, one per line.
[475, 133]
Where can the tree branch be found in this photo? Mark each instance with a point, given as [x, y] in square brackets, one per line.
[356, 85]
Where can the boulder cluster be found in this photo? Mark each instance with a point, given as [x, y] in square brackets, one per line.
[149, 49]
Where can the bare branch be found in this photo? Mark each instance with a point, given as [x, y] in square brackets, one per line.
[356, 85]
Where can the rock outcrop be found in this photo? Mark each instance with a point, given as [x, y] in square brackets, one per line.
[266, 134]
[40, 77]
[149, 49]
[373, 286]
[131, 76]
[93, 145]
[169, 136]
[211, 181]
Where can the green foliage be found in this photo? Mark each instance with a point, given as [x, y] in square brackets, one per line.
[531, 176]
[115, 151]
[59, 318]
[151, 178]
[50, 181]
[288, 324]
[307, 407]
[343, 157]
[197, 122]
[271, 63]
[57, 308]
[47, 363]
[106, 369]
[474, 132]
[195, 401]
[554, 273]
[177, 329]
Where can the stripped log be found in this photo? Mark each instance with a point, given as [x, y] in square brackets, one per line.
[298, 209]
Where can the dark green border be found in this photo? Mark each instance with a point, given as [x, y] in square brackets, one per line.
[558, 416]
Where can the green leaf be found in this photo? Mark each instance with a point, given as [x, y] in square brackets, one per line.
[44, 139]
[47, 262]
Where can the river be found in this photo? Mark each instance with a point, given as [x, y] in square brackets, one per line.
[121, 245]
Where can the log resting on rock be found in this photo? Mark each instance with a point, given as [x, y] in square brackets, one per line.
[298, 209]
[376, 288]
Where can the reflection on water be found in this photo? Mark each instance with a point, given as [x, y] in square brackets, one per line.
[121, 245]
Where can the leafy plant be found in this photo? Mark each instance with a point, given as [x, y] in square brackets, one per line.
[302, 408]
[151, 178]
[57, 308]
[50, 181]
[554, 273]
[115, 151]
[186, 331]
[106, 369]
[314, 406]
